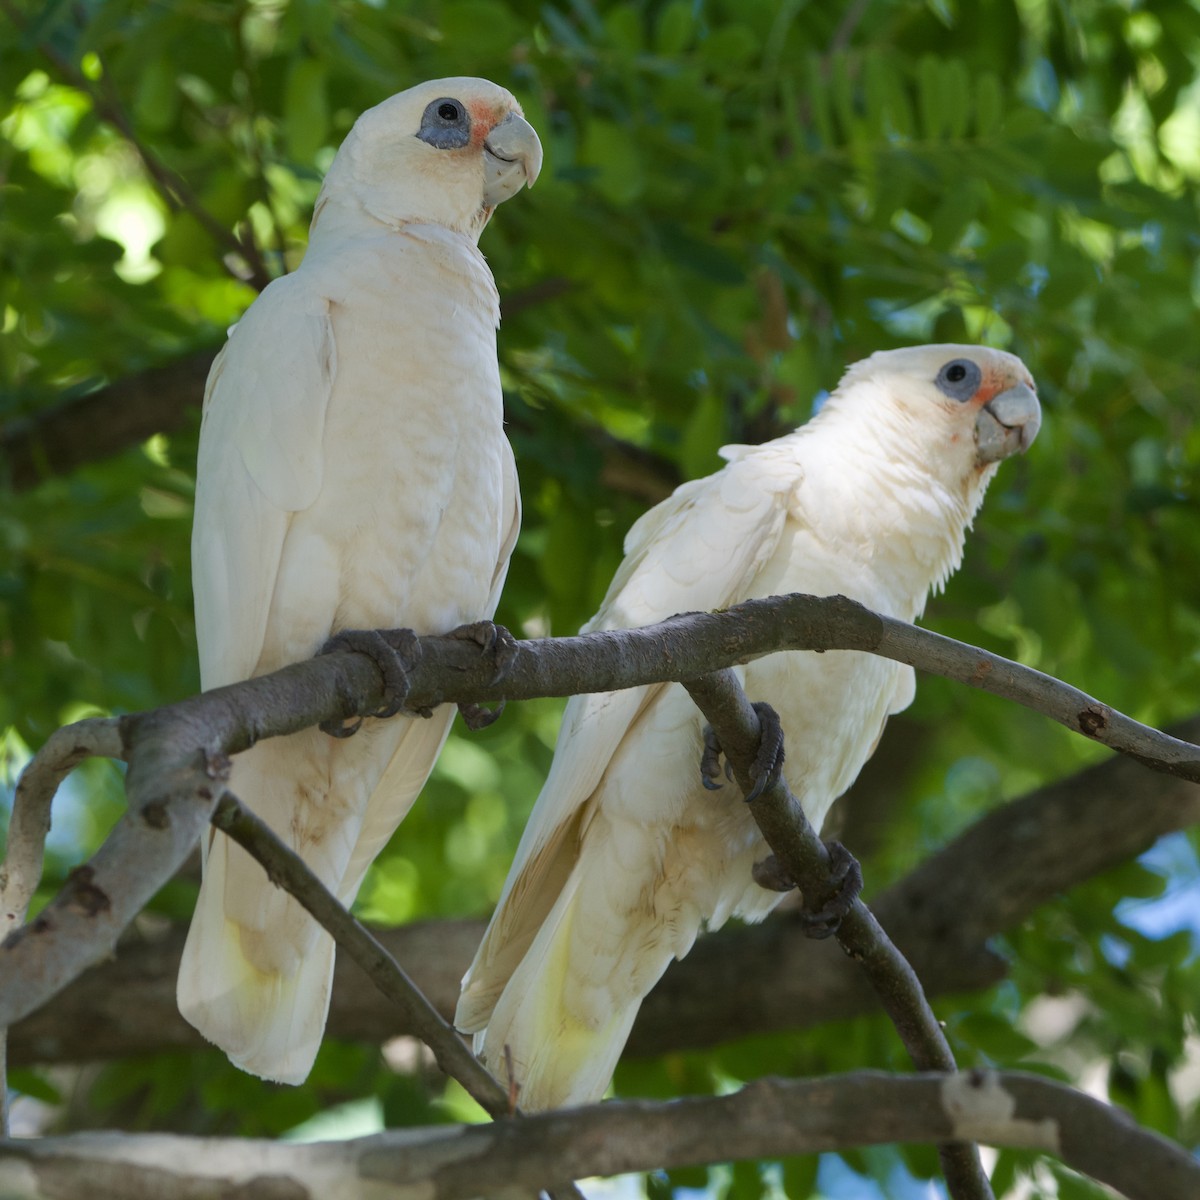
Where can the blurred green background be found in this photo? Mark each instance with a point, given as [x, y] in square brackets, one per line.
[739, 199]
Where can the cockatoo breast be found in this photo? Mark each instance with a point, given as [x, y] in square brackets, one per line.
[408, 525]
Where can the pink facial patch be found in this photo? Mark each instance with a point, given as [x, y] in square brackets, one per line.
[483, 121]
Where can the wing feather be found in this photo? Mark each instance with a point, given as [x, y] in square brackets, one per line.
[260, 460]
[697, 550]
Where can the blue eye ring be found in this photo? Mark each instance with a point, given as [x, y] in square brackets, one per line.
[445, 124]
[959, 379]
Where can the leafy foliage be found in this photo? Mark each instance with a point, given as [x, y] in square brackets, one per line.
[740, 198]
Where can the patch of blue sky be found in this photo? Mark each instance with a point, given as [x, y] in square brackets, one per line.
[1178, 908]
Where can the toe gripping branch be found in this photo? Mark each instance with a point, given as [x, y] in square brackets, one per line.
[395, 663]
[768, 760]
[496, 641]
[825, 905]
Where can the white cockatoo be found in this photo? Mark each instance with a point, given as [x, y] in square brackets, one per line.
[353, 474]
[626, 855]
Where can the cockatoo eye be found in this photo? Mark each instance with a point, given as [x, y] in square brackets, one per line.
[959, 379]
[445, 124]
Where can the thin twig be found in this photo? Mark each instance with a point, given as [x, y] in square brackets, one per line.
[780, 816]
[29, 823]
[287, 870]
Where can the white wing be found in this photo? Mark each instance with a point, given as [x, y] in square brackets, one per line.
[260, 460]
[697, 550]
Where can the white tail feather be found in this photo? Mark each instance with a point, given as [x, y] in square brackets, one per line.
[267, 1022]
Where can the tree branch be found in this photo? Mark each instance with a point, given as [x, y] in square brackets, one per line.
[756, 979]
[21, 871]
[124, 413]
[767, 1119]
[93, 427]
[785, 827]
[178, 755]
[285, 869]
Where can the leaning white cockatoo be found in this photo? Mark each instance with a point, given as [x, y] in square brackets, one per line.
[626, 855]
[353, 474]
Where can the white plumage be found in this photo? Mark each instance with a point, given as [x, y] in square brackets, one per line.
[353, 474]
[626, 856]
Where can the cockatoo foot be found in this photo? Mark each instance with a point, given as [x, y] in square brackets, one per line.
[395, 662]
[492, 639]
[771, 874]
[768, 762]
[710, 762]
[844, 883]
[476, 717]
[495, 640]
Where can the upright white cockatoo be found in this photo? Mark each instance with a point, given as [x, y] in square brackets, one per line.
[353, 474]
[626, 855]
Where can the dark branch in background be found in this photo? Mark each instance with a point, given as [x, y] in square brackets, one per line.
[766, 1120]
[807, 862]
[163, 399]
[113, 418]
[759, 979]
[178, 762]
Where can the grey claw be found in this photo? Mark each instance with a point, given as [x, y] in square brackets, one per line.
[710, 762]
[768, 762]
[492, 639]
[845, 882]
[476, 717]
[394, 663]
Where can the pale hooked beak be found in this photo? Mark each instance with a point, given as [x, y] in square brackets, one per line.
[512, 158]
[1007, 424]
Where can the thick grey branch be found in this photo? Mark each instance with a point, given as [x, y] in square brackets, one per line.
[759, 979]
[102, 423]
[768, 1119]
[177, 755]
[795, 844]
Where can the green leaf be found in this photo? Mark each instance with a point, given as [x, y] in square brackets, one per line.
[989, 104]
[156, 105]
[703, 435]
[30, 1083]
[746, 1184]
[306, 109]
[611, 151]
[674, 28]
[800, 1176]
[934, 118]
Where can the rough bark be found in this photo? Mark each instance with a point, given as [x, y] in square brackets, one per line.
[767, 1119]
[752, 980]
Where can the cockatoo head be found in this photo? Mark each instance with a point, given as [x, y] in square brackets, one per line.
[933, 422]
[966, 407]
[444, 152]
